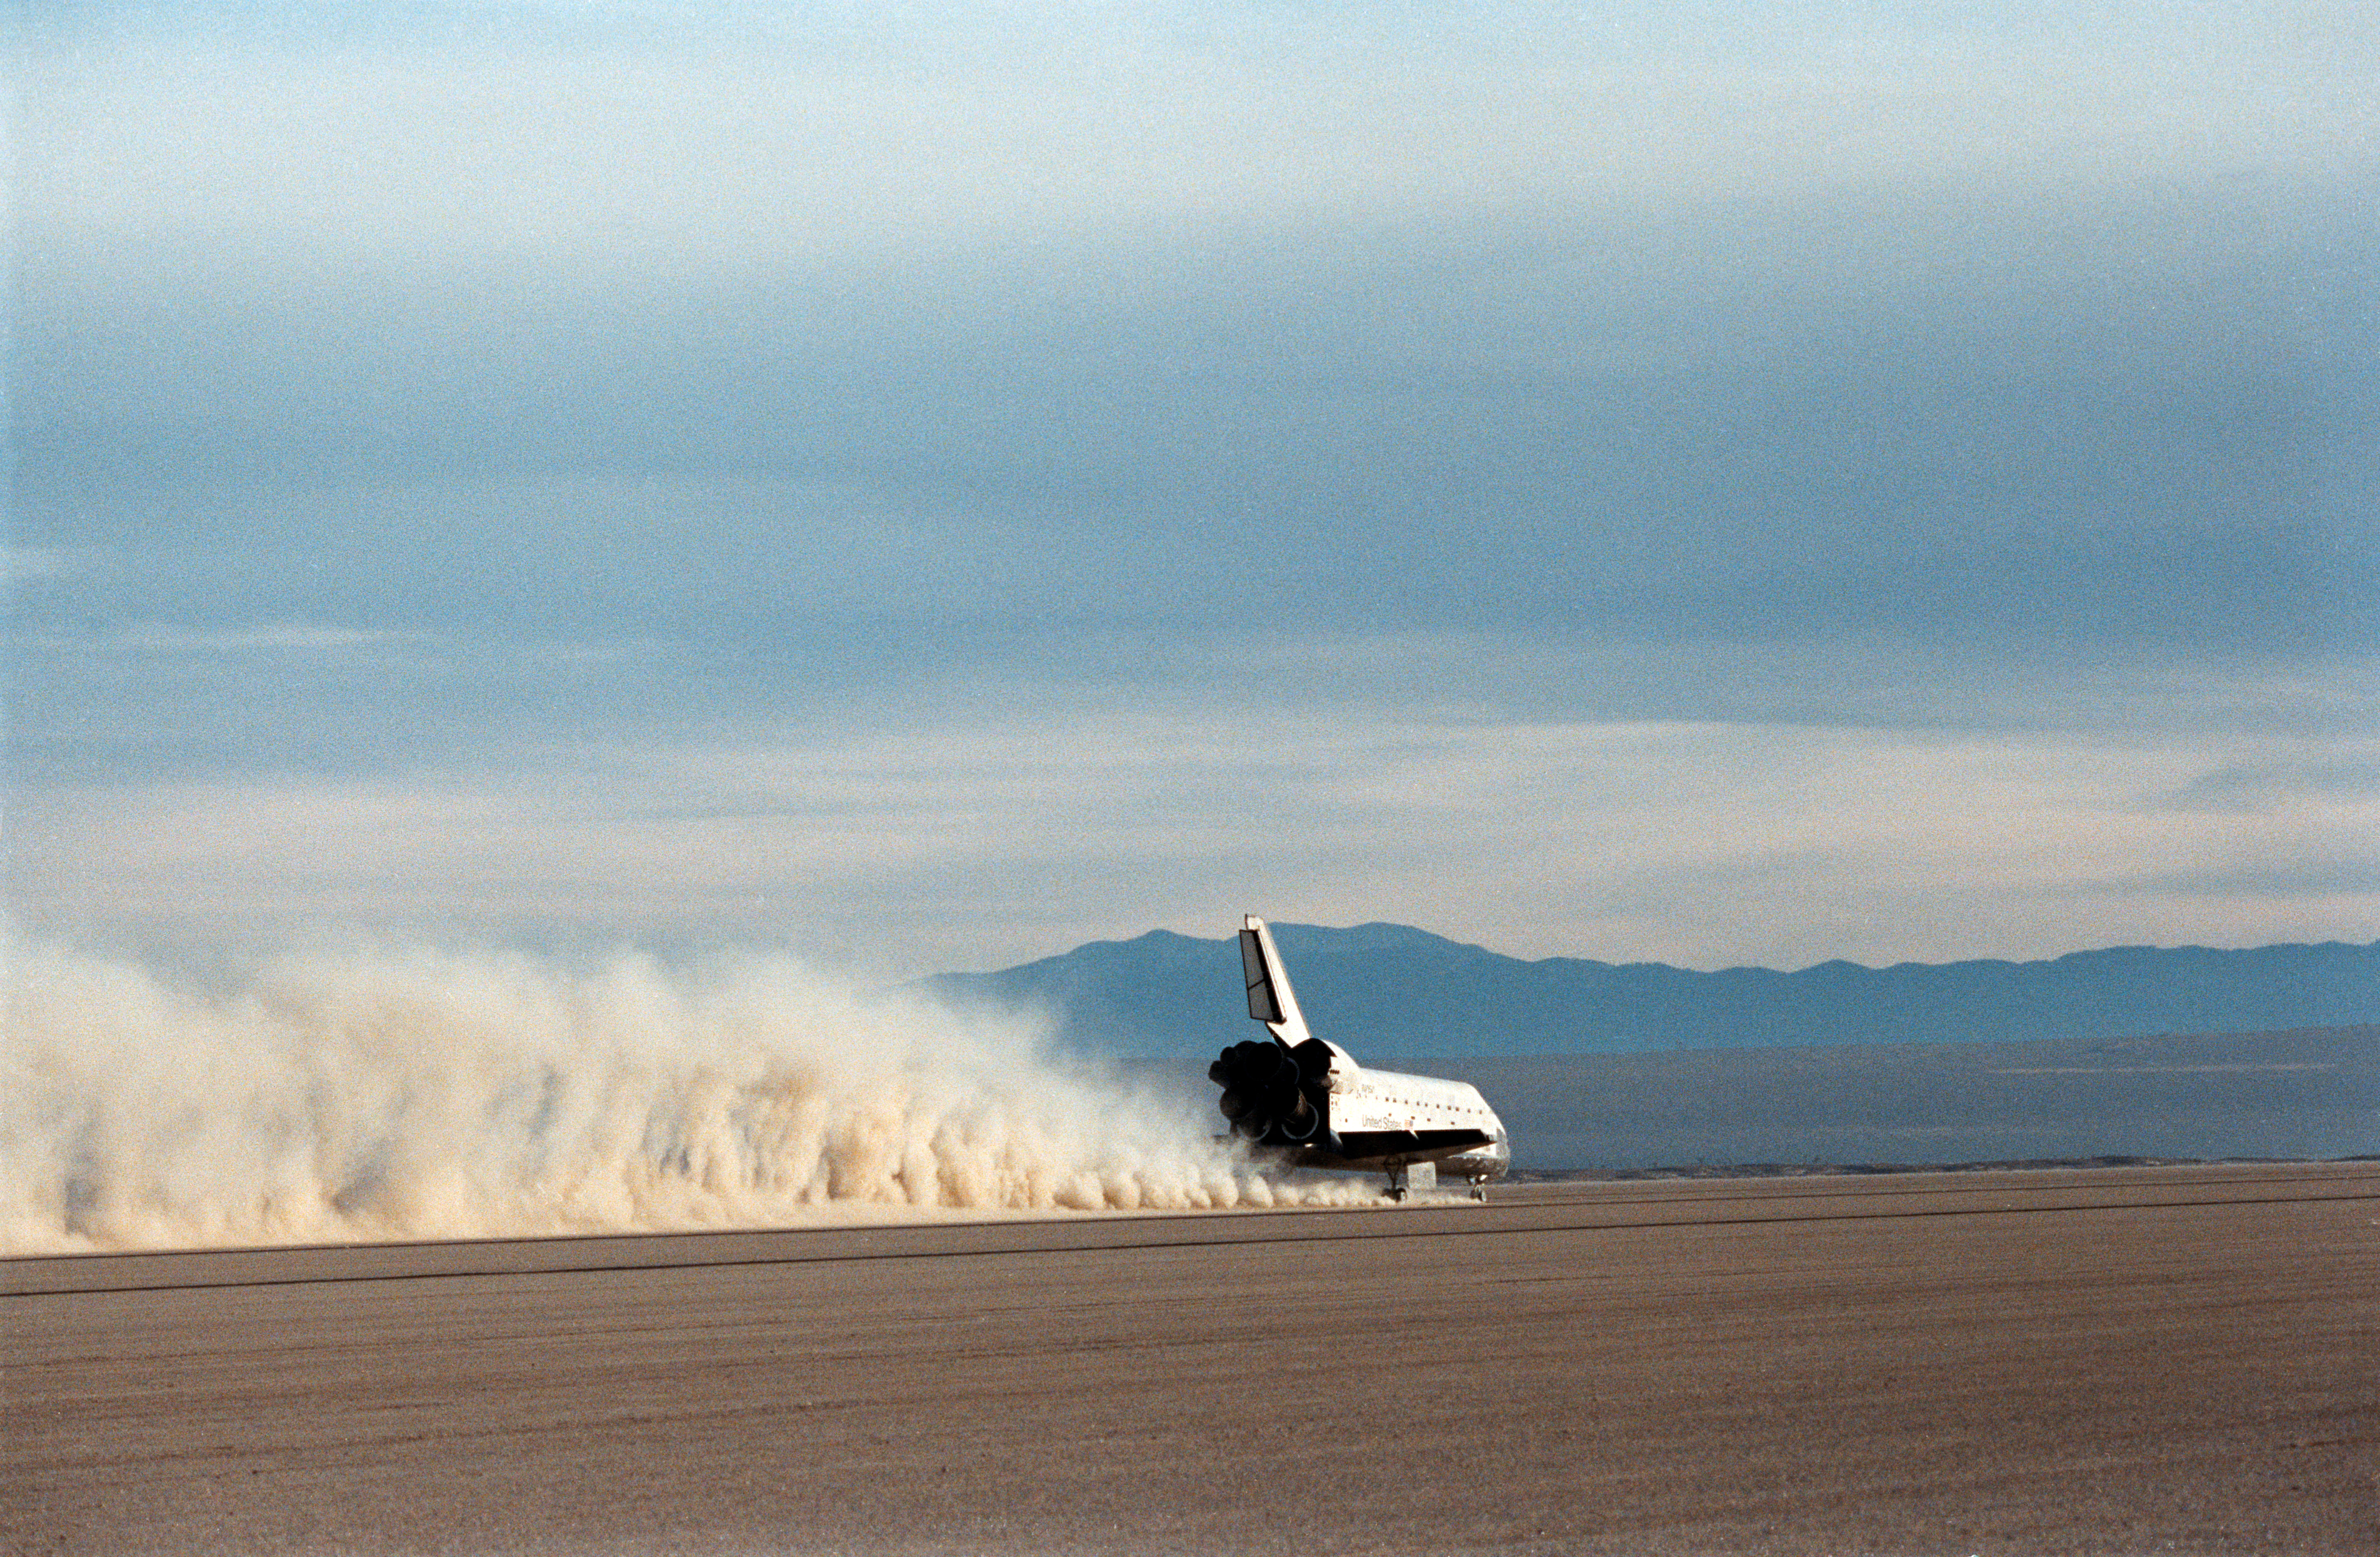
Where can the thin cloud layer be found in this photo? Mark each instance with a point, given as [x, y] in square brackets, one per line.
[472, 406]
[990, 838]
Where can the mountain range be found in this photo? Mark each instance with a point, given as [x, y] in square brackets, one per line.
[1390, 990]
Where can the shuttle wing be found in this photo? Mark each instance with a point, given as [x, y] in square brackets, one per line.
[1416, 1143]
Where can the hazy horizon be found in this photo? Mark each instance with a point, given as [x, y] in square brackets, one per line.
[1227, 932]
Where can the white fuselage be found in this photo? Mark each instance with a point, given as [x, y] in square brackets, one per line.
[1369, 1105]
[1388, 1099]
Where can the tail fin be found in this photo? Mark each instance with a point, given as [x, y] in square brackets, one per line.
[1270, 1000]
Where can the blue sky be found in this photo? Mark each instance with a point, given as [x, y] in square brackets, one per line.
[928, 485]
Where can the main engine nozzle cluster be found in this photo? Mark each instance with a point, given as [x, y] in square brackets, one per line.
[1274, 1094]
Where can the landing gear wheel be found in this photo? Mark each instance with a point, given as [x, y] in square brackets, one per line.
[1413, 1178]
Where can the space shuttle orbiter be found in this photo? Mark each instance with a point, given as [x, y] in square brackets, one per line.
[1307, 1099]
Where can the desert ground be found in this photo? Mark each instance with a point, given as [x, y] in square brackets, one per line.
[2121, 1361]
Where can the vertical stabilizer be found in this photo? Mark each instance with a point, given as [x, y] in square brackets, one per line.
[1270, 1000]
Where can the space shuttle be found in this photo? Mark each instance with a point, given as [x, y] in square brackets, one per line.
[1304, 1099]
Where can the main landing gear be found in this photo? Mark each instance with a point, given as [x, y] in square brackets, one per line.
[1422, 1176]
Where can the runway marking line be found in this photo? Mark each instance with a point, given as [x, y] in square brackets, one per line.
[1867, 1186]
[1350, 1235]
[1839, 1187]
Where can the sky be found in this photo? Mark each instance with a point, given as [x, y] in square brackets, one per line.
[928, 485]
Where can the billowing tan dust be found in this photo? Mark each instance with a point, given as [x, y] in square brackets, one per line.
[433, 1095]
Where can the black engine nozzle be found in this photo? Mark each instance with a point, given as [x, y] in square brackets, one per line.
[1272, 1091]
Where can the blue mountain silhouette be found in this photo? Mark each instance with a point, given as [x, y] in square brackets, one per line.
[1389, 989]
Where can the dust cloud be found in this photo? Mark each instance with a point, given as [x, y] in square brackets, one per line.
[404, 1095]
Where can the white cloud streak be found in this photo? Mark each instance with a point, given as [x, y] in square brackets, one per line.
[970, 845]
[300, 637]
[29, 564]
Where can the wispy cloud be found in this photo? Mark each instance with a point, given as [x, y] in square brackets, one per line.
[23, 564]
[1069, 126]
[296, 638]
[969, 843]
[2341, 778]
[2324, 880]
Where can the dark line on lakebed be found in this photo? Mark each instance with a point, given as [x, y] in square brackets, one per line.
[1350, 1235]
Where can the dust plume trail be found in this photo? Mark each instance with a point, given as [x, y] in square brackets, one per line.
[429, 1094]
